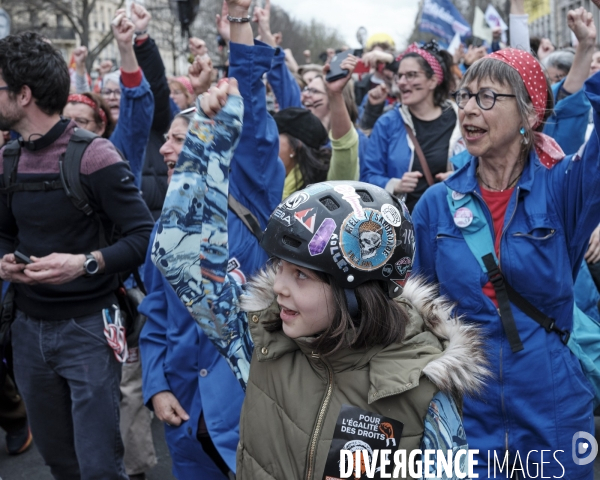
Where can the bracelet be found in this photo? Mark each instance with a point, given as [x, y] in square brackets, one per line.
[139, 34]
[238, 19]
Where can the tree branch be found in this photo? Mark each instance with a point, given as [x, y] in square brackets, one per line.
[97, 50]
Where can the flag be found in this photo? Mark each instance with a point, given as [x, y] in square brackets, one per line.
[494, 20]
[442, 18]
[481, 29]
[454, 44]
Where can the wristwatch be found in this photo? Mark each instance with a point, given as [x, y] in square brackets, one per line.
[90, 266]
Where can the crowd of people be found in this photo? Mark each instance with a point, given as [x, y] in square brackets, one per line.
[414, 241]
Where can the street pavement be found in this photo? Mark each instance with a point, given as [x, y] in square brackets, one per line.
[30, 466]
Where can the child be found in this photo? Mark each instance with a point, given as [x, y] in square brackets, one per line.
[333, 330]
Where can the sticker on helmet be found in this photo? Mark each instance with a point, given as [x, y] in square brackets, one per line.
[387, 270]
[319, 241]
[403, 266]
[367, 243]
[391, 214]
[306, 219]
[316, 188]
[336, 255]
[349, 194]
[402, 282]
[295, 200]
[283, 216]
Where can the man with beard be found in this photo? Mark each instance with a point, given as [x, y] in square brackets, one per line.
[66, 371]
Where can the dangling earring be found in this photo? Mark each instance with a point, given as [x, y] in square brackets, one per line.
[524, 140]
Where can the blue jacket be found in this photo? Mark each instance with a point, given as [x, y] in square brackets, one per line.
[539, 397]
[568, 123]
[283, 83]
[389, 153]
[257, 174]
[133, 128]
[178, 357]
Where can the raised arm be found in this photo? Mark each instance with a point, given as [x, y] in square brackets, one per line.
[575, 184]
[344, 139]
[151, 63]
[518, 29]
[137, 102]
[81, 80]
[257, 175]
[191, 247]
[582, 25]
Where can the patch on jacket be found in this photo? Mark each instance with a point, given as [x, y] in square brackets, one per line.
[360, 430]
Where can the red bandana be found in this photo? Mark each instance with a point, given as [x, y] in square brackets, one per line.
[534, 79]
[78, 98]
[428, 57]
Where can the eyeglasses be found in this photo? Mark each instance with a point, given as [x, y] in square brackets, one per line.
[312, 91]
[81, 122]
[107, 92]
[485, 98]
[410, 76]
[5, 87]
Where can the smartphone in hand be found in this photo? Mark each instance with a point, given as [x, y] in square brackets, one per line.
[22, 258]
[335, 71]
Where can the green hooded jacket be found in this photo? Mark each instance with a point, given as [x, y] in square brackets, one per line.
[294, 396]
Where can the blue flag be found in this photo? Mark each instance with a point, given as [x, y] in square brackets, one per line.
[442, 18]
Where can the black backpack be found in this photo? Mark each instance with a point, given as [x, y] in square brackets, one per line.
[69, 167]
[70, 181]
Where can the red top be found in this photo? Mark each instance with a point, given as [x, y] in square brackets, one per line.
[497, 202]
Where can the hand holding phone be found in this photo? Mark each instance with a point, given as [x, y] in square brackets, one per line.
[335, 70]
[22, 258]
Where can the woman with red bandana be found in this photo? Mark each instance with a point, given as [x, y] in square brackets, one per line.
[530, 210]
[392, 160]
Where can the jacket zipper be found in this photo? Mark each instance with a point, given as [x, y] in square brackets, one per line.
[501, 369]
[317, 432]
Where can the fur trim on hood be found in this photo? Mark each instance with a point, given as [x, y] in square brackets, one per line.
[461, 369]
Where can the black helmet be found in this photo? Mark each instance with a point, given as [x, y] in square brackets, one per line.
[353, 231]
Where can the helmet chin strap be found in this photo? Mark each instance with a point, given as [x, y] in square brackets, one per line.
[352, 303]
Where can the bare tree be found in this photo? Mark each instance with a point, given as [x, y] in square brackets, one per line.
[76, 12]
[299, 36]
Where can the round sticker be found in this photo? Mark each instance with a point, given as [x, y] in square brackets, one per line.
[387, 270]
[457, 195]
[463, 217]
[367, 242]
[391, 214]
[295, 200]
[403, 266]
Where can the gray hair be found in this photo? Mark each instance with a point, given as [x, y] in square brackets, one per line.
[500, 72]
[114, 77]
[561, 59]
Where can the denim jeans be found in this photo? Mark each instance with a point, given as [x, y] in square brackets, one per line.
[69, 379]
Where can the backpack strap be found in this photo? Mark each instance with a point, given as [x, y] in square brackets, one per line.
[470, 219]
[70, 168]
[246, 216]
[11, 155]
